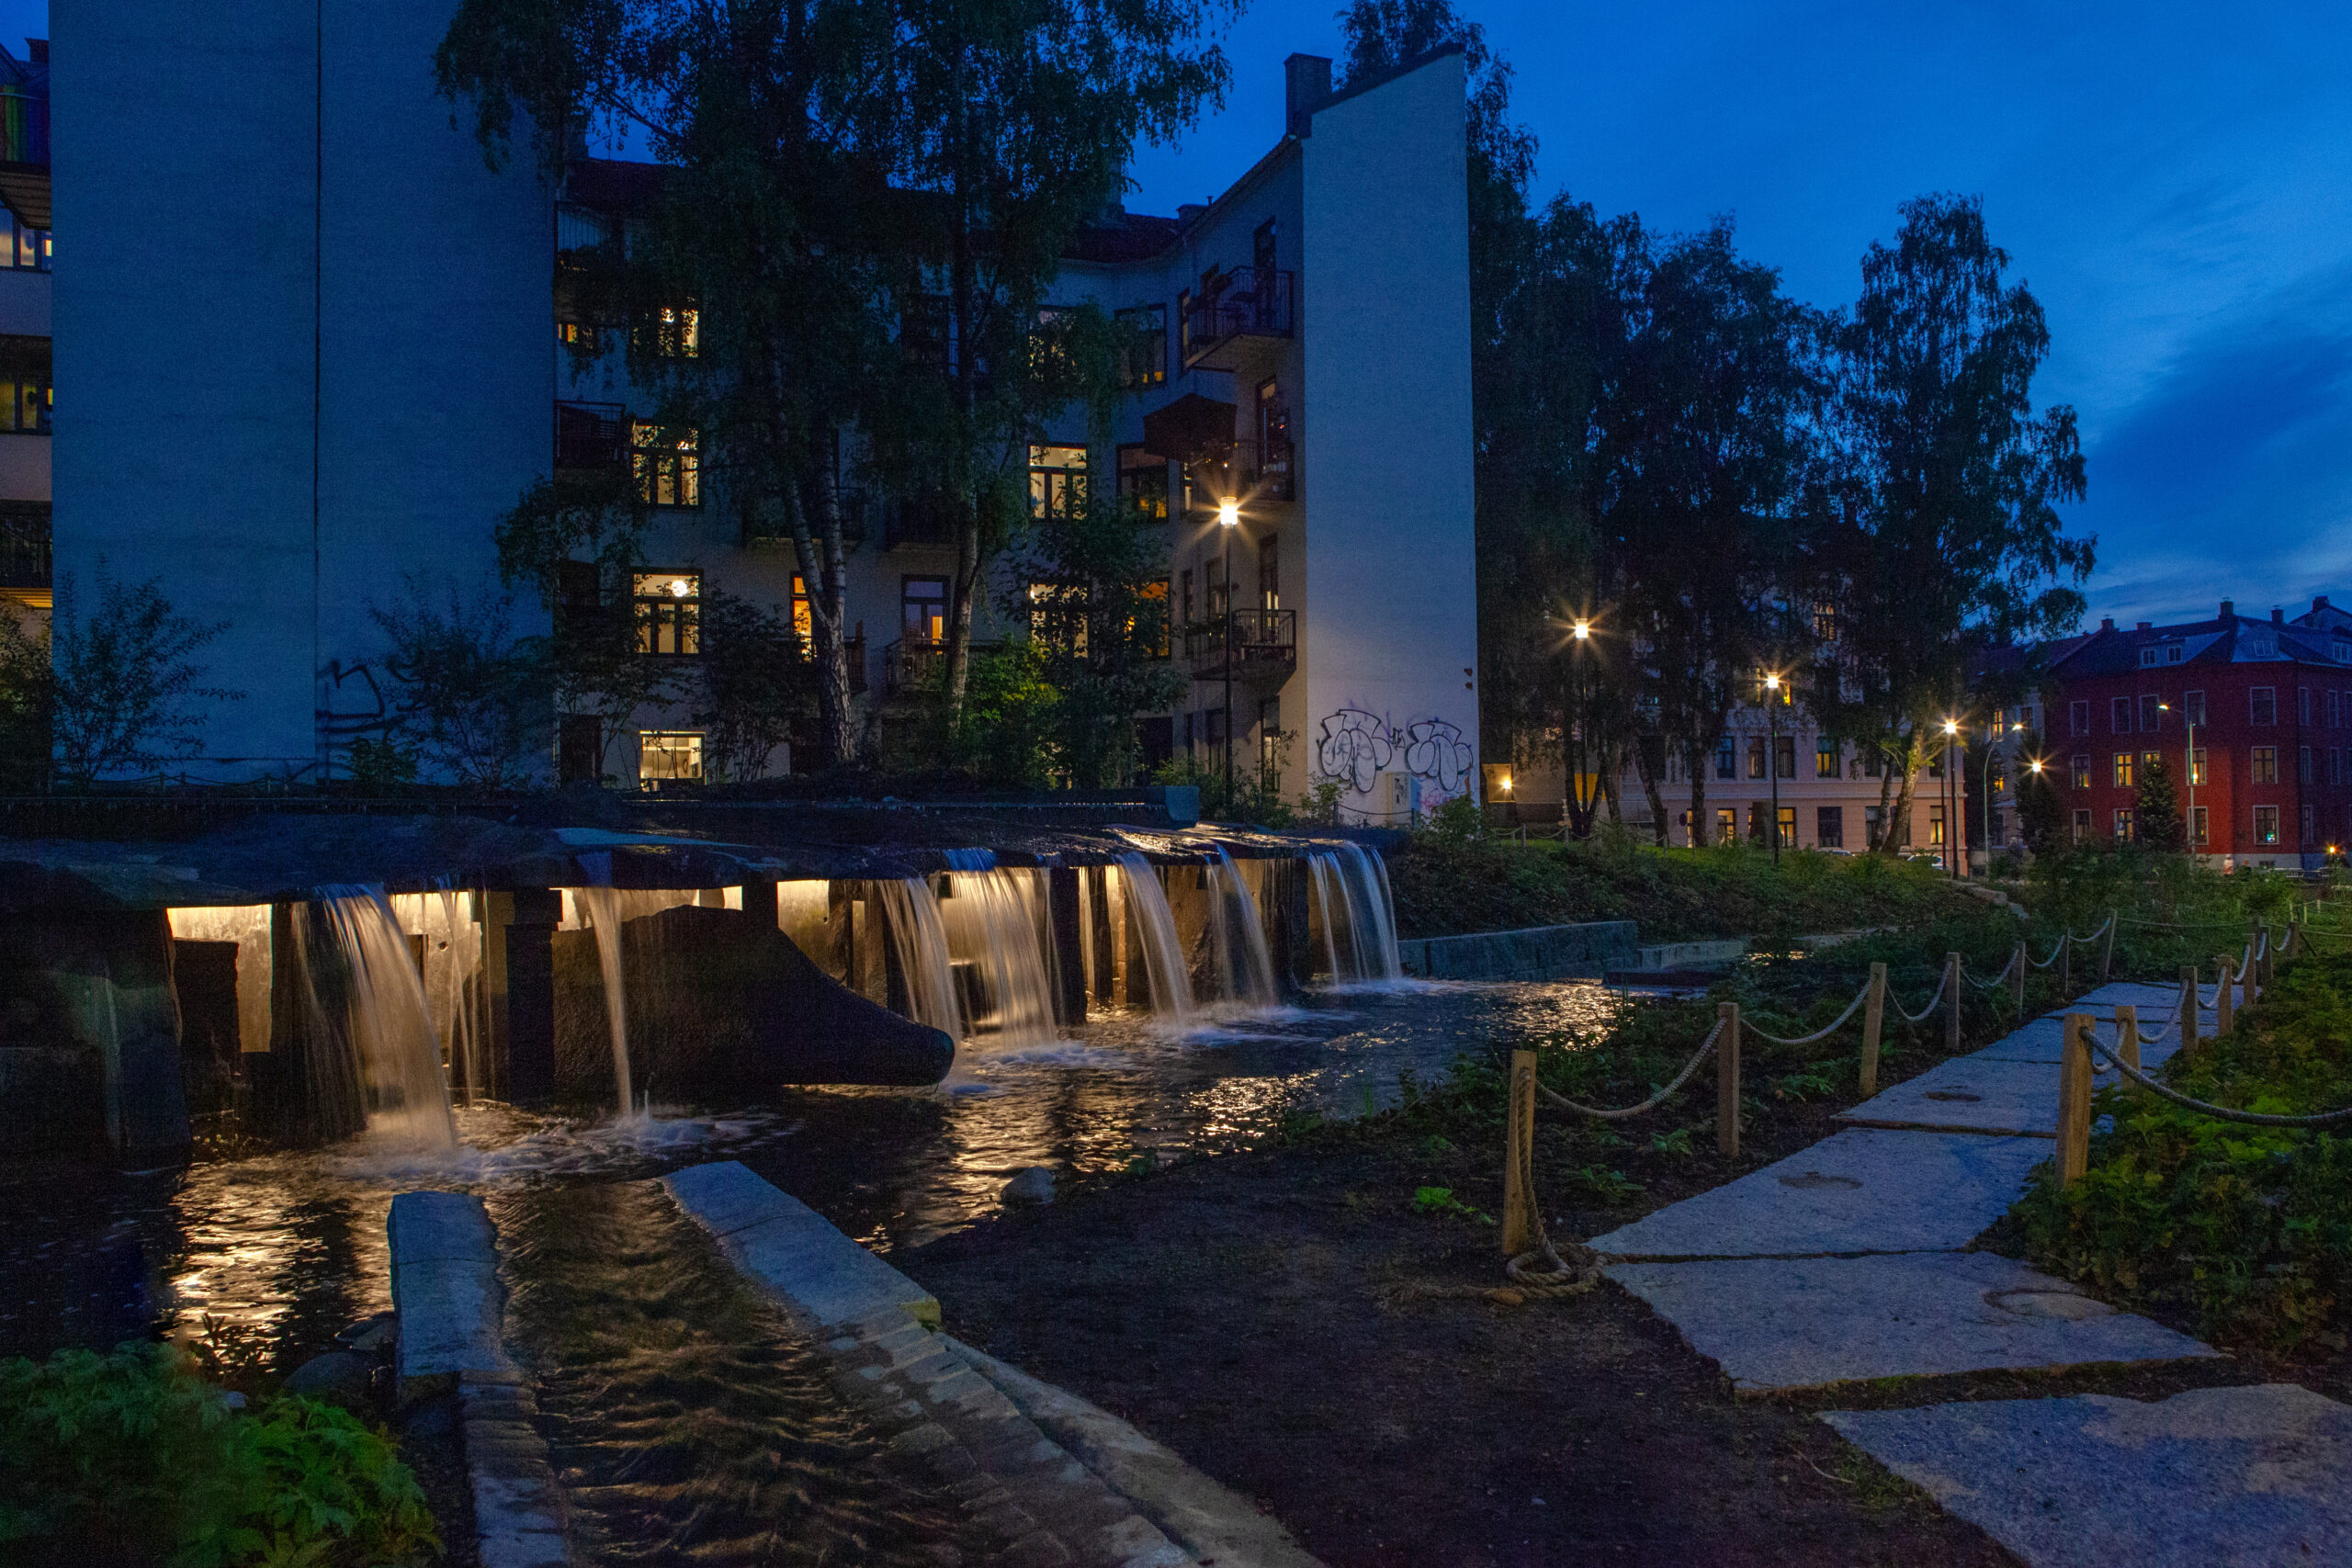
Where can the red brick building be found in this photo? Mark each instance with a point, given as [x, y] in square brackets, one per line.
[2271, 703]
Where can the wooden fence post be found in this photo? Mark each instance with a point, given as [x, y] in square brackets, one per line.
[1727, 1081]
[1518, 1157]
[1952, 1004]
[2075, 1100]
[2126, 1039]
[2224, 1008]
[2017, 965]
[1873, 1022]
[2188, 1006]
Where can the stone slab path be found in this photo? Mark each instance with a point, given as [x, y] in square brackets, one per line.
[2216, 1475]
[1846, 1261]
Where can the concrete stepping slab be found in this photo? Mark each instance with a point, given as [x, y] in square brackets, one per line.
[1972, 1094]
[1864, 1190]
[2041, 1040]
[2214, 1476]
[1800, 1323]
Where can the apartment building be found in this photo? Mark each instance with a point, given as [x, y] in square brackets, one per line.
[2253, 717]
[25, 397]
[313, 362]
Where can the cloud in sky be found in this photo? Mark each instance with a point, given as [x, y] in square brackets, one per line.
[2173, 181]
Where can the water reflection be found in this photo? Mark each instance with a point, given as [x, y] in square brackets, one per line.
[266, 1258]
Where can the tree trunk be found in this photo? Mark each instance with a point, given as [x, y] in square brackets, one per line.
[1694, 760]
[1648, 767]
[965, 580]
[1898, 817]
[817, 551]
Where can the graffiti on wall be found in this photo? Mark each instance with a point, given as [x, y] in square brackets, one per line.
[1355, 747]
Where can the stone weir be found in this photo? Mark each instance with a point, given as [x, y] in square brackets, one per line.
[161, 961]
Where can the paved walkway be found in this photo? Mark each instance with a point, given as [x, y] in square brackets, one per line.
[1849, 1261]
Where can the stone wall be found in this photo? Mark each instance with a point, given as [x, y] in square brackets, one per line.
[1539, 953]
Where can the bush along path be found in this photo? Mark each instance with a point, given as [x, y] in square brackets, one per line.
[1850, 1261]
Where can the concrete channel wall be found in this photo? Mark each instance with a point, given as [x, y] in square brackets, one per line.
[1057, 1480]
[1540, 953]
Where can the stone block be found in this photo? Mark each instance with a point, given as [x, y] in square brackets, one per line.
[446, 1289]
[1976, 1094]
[1864, 1190]
[1781, 1323]
[2215, 1475]
[794, 1252]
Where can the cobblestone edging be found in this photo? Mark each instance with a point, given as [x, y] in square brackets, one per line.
[940, 1411]
[1585, 950]
[451, 1305]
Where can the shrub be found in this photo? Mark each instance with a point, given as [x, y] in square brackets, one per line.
[130, 1455]
[2246, 1228]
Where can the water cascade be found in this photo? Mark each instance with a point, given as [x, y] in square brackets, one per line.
[1352, 896]
[603, 907]
[461, 961]
[919, 933]
[1245, 968]
[1163, 953]
[388, 1032]
[992, 918]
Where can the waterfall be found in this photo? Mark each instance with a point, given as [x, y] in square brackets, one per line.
[389, 1036]
[603, 905]
[1245, 968]
[462, 960]
[992, 918]
[1351, 889]
[919, 933]
[1163, 953]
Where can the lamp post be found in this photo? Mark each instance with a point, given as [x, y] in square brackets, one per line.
[1987, 800]
[1953, 836]
[1229, 519]
[1772, 753]
[2189, 782]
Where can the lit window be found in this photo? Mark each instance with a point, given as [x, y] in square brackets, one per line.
[669, 472]
[1143, 351]
[2123, 770]
[2197, 767]
[922, 609]
[2263, 764]
[1057, 615]
[2266, 824]
[1825, 758]
[667, 756]
[23, 249]
[2082, 772]
[2124, 825]
[1056, 480]
[678, 332]
[1143, 484]
[28, 400]
[669, 612]
[1151, 615]
[2197, 824]
[804, 621]
[1934, 825]
[1787, 825]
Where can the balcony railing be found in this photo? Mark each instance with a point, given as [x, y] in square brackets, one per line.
[24, 545]
[912, 665]
[916, 521]
[1249, 303]
[1263, 646]
[592, 437]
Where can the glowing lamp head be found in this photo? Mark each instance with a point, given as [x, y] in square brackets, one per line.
[678, 589]
[1506, 782]
[1228, 512]
[2036, 764]
[1581, 631]
[1951, 726]
[1771, 683]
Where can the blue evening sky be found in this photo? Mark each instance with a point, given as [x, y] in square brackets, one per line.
[2173, 181]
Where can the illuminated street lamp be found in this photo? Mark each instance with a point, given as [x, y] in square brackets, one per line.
[1229, 519]
[1581, 631]
[1953, 832]
[1773, 752]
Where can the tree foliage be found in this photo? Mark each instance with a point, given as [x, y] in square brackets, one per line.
[126, 695]
[472, 697]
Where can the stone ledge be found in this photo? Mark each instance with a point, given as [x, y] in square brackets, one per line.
[1585, 950]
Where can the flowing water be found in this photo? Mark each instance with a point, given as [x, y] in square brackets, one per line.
[1163, 953]
[1353, 910]
[994, 919]
[605, 917]
[1242, 969]
[919, 932]
[365, 987]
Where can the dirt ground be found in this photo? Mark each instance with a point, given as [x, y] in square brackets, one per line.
[1255, 1313]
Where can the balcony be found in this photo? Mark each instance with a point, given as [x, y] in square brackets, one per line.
[24, 549]
[1249, 302]
[917, 523]
[591, 437]
[1263, 647]
[911, 666]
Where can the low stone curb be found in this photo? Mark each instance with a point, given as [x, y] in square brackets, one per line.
[451, 1305]
[1586, 950]
[932, 1400]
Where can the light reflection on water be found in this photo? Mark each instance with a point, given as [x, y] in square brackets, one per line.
[271, 1255]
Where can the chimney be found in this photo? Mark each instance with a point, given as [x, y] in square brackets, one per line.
[2228, 610]
[2319, 603]
[37, 51]
[1306, 86]
[2277, 617]
[2106, 623]
[2147, 626]
[1186, 211]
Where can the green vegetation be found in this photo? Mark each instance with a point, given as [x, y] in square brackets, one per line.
[2246, 1229]
[131, 1457]
[2169, 913]
[1447, 883]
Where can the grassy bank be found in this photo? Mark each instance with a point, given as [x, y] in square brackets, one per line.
[2244, 1231]
[1445, 883]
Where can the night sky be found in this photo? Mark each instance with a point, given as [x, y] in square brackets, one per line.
[2174, 182]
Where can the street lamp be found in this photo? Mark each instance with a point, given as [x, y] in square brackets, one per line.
[2188, 776]
[1581, 631]
[1952, 791]
[1229, 519]
[1772, 753]
[1987, 801]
